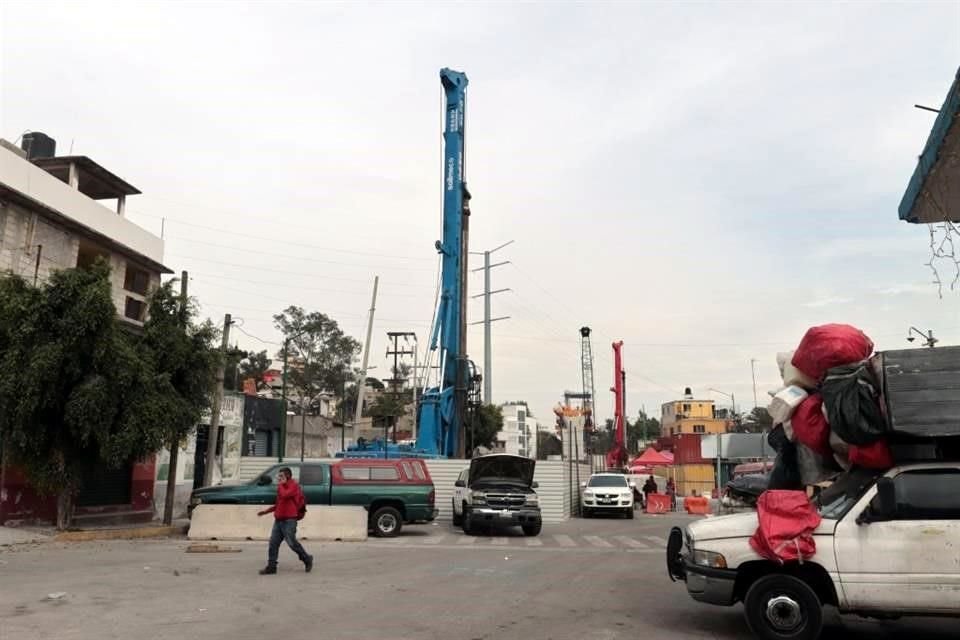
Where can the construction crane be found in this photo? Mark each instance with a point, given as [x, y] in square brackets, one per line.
[445, 409]
[586, 365]
[617, 456]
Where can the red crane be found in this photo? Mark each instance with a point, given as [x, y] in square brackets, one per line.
[617, 456]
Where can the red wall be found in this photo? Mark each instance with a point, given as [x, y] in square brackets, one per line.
[686, 449]
[19, 501]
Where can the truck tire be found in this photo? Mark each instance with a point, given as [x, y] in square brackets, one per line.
[386, 522]
[531, 530]
[467, 523]
[781, 607]
[457, 519]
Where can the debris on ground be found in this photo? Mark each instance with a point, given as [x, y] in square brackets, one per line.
[211, 548]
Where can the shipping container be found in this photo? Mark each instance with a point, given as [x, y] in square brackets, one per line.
[695, 477]
[686, 449]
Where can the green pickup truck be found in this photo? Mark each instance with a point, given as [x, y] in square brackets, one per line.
[394, 492]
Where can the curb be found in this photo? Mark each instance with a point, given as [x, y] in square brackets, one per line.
[118, 534]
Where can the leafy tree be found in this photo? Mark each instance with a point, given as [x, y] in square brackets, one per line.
[320, 354]
[348, 405]
[548, 445]
[254, 366]
[482, 432]
[643, 428]
[88, 392]
[757, 421]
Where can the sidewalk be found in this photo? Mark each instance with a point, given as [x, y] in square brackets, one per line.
[16, 535]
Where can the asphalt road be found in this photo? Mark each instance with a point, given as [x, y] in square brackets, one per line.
[584, 579]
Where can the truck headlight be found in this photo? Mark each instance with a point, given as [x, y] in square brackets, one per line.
[588, 494]
[709, 559]
[533, 500]
[478, 497]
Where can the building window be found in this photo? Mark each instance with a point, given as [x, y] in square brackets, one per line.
[87, 255]
[686, 408]
[521, 415]
[136, 280]
[699, 428]
[135, 309]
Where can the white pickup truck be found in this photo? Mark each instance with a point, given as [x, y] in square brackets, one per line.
[888, 546]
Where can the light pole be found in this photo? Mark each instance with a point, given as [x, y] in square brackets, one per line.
[753, 374]
[733, 408]
[928, 338]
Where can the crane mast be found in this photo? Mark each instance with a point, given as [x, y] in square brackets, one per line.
[617, 456]
[442, 414]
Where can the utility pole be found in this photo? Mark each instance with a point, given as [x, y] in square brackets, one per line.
[175, 441]
[395, 380]
[487, 320]
[358, 410]
[214, 430]
[753, 373]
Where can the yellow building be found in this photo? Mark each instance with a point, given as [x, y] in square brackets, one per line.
[692, 416]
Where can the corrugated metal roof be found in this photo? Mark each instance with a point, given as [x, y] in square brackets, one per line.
[939, 163]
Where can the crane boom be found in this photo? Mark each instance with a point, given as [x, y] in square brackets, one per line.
[617, 456]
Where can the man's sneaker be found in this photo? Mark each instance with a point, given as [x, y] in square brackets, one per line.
[308, 565]
[268, 571]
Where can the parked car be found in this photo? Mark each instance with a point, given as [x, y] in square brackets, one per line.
[394, 492]
[497, 489]
[607, 492]
[886, 547]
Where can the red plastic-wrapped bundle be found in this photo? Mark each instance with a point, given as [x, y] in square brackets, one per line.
[787, 521]
[810, 426]
[872, 456]
[828, 346]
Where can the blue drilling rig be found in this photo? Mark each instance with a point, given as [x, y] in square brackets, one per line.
[444, 410]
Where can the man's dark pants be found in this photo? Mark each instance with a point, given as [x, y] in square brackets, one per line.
[284, 530]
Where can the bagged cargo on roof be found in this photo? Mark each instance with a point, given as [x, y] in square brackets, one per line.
[853, 405]
[786, 522]
[786, 401]
[810, 427]
[872, 456]
[815, 467]
[921, 388]
[829, 346]
[785, 474]
[792, 376]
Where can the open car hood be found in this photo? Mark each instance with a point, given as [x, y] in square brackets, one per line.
[502, 467]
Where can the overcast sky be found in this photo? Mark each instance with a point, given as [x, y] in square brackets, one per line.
[702, 181]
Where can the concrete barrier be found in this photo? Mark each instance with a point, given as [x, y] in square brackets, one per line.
[241, 522]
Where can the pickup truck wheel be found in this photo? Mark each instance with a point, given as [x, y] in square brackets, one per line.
[467, 523]
[457, 519]
[781, 607]
[531, 530]
[386, 522]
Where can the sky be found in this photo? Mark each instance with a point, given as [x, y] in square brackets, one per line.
[703, 181]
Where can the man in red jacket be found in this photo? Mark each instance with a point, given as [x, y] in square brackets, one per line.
[286, 512]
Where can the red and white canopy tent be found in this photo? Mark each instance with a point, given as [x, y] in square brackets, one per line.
[649, 459]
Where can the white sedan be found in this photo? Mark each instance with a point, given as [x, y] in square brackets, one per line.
[610, 492]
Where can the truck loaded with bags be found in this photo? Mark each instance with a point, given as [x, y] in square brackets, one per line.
[862, 507]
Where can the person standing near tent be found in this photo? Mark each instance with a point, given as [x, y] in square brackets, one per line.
[672, 492]
[650, 486]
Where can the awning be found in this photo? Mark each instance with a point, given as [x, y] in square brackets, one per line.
[933, 194]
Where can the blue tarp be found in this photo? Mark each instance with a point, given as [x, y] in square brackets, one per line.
[946, 120]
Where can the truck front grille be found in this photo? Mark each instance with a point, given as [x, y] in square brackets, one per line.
[505, 500]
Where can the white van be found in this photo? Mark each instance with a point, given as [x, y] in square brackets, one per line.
[888, 546]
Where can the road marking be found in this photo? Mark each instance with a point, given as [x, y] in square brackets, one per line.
[466, 539]
[630, 542]
[434, 539]
[564, 540]
[534, 542]
[500, 541]
[656, 540]
[597, 541]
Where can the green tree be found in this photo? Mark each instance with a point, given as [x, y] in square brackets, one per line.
[548, 445]
[231, 369]
[482, 431]
[89, 393]
[757, 421]
[643, 428]
[320, 354]
[254, 366]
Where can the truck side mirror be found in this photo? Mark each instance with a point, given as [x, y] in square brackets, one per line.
[459, 483]
[884, 505]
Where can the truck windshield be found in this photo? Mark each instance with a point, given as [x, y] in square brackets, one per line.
[837, 499]
[608, 481]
